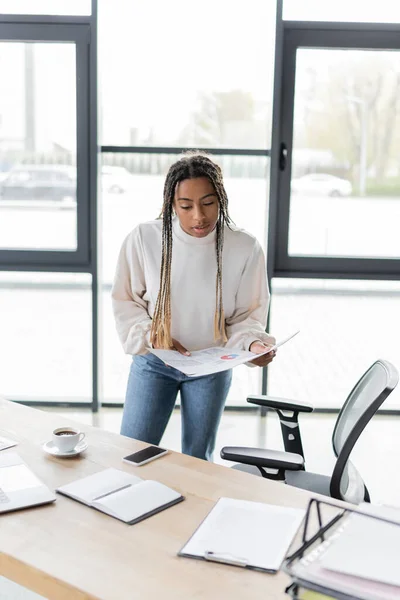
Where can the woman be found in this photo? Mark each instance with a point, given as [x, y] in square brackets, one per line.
[187, 281]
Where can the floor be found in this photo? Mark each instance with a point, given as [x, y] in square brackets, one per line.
[376, 456]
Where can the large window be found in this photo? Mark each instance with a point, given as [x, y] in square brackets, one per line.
[168, 82]
[169, 78]
[344, 327]
[345, 179]
[47, 235]
[337, 199]
[45, 349]
[44, 144]
[38, 146]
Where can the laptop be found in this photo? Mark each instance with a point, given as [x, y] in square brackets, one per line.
[19, 486]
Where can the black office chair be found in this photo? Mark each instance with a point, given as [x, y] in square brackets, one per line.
[345, 483]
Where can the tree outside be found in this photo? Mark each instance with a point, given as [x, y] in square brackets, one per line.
[348, 102]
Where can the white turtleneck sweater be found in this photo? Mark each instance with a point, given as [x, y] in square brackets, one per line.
[193, 284]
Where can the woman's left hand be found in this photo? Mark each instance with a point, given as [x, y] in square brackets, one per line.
[259, 348]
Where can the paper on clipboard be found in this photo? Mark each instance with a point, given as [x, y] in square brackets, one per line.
[211, 360]
[246, 534]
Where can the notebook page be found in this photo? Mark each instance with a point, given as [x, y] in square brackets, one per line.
[255, 533]
[309, 571]
[93, 486]
[347, 584]
[6, 443]
[135, 501]
[368, 548]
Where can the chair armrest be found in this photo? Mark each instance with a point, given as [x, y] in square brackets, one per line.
[280, 403]
[260, 457]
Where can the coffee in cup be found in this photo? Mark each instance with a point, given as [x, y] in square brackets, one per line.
[67, 438]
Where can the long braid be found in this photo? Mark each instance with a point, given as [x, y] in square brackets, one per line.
[190, 166]
[161, 325]
[219, 317]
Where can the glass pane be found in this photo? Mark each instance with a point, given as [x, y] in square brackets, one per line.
[186, 81]
[345, 187]
[38, 146]
[46, 7]
[385, 11]
[344, 327]
[133, 193]
[46, 336]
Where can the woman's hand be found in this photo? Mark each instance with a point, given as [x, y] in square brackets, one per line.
[258, 347]
[179, 348]
[175, 346]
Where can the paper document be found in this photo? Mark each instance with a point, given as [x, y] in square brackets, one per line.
[211, 360]
[381, 563]
[359, 560]
[6, 443]
[245, 534]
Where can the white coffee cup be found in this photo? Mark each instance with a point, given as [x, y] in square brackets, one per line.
[67, 438]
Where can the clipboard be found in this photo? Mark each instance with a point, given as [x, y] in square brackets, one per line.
[246, 534]
[306, 566]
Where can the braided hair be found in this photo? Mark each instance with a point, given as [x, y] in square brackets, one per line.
[190, 166]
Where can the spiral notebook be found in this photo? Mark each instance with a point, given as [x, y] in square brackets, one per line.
[358, 561]
[245, 534]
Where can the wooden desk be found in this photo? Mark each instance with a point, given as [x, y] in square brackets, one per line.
[69, 551]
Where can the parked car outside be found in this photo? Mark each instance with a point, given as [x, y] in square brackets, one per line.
[5, 167]
[116, 180]
[39, 182]
[321, 184]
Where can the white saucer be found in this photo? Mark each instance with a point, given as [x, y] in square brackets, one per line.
[52, 449]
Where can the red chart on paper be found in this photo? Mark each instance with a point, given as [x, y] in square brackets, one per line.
[229, 356]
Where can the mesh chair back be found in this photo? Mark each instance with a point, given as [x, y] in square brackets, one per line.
[362, 403]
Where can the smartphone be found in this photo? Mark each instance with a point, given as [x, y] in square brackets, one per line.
[144, 456]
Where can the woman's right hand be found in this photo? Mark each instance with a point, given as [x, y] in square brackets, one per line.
[258, 348]
[175, 346]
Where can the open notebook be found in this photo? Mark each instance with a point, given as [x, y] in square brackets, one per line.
[122, 495]
[245, 534]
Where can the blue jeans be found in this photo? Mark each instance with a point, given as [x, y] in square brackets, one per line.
[150, 399]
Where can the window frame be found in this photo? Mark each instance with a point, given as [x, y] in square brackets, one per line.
[320, 35]
[42, 30]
